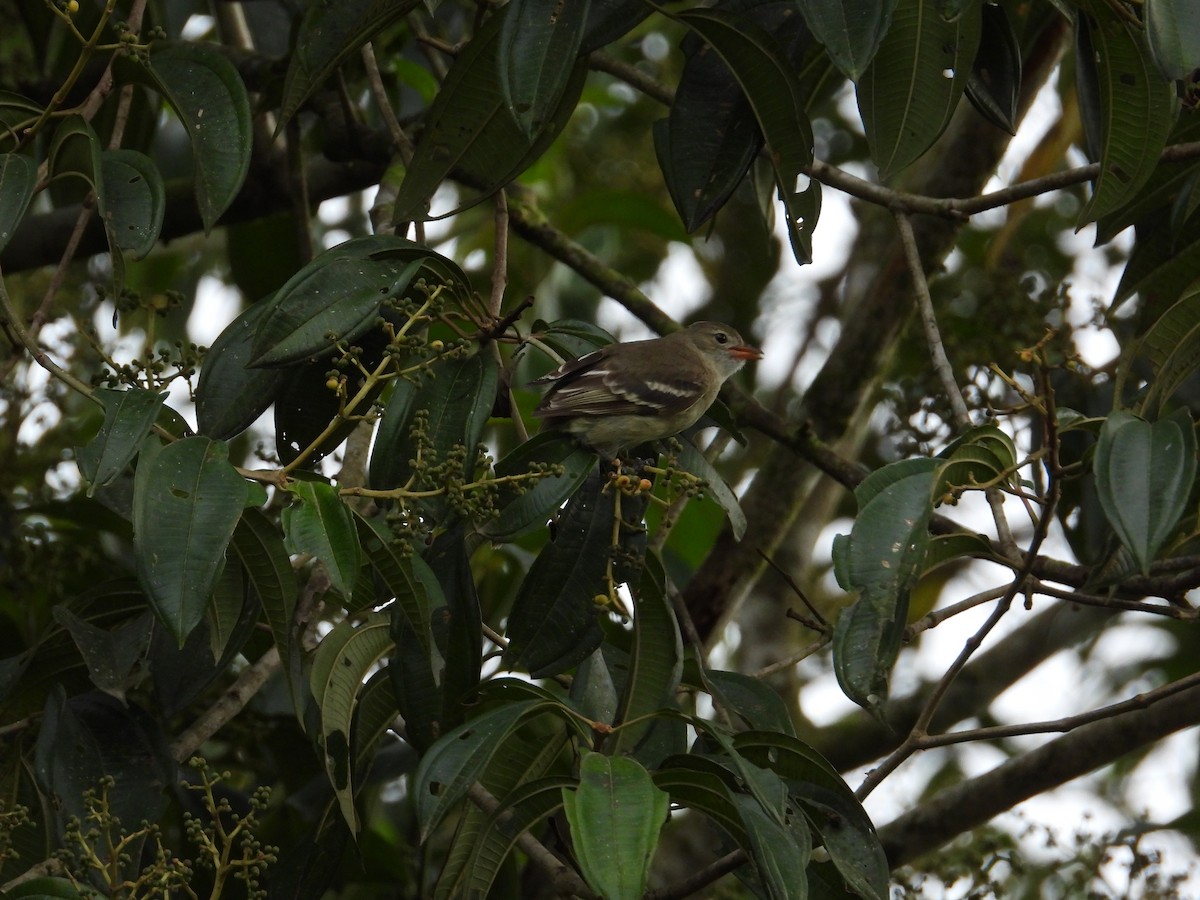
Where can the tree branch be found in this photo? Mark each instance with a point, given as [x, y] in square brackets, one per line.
[968, 805]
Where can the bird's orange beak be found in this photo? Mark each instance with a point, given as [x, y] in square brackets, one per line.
[745, 352]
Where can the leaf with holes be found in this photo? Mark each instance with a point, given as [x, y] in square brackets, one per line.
[344, 659]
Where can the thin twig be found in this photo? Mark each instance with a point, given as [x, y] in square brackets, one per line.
[933, 337]
[402, 142]
[817, 645]
[500, 256]
[565, 880]
[1065, 724]
[701, 879]
[228, 705]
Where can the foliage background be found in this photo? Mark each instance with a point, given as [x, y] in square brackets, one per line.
[312, 613]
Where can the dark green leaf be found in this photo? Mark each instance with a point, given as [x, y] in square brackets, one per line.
[455, 399]
[134, 201]
[128, 418]
[488, 846]
[470, 130]
[230, 395]
[322, 526]
[207, 94]
[191, 501]
[18, 178]
[851, 31]
[780, 850]
[91, 736]
[914, 83]
[1173, 32]
[881, 560]
[1162, 190]
[340, 667]
[655, 660]
[458, 758]
[329, 34]
[1172, 347]
[750, 699]
[335, 298]
[1137, 109]
[833, 810]
[615, 817]
[610, 19]
[693, 461]
[75, 151]
[528, 504]
[539, 42]
[1160, 268]
[772, 86]
[994, 85]
[1144, 474]
[110, 655]
[458, 625]
[259, 545]
[554, 624]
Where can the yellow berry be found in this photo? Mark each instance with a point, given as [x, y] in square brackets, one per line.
[72, 6]
[331, 383]
[436, 346]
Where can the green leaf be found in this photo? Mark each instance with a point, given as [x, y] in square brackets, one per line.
[128, 417]
[335, 298]
[994, 85]
[344, 659]
[258, 543]
[486, 847]
[18, 178]
[539, 43]
[469, 129]
[553, 624]
[913, 85]
[773, 89]
[610, 19]
[527, 505]
[851, 30]
[323, 526]
[90, 736]
[134, 201]
[457, 760]
[1173, 32]
[1172, 346]
[455, 399]
[75, 150]
[45, 889]
[207, 94]
[1160, 192]
[780, 850]
[457, 625]
[655, 661]
[329, 34]
[615, 817]
[111, 655]
[833, 810]
[1144, 474]
[191, 502]
[1137, 108]
[693, 461]
[1160, 268]
[750, 699]
[230, 395]
[881, 560]
[698, 783]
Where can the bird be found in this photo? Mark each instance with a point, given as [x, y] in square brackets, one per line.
[627, 394]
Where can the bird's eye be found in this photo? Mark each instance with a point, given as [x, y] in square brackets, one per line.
[721, 337]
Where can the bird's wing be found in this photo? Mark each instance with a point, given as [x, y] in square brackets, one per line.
[600, 388]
